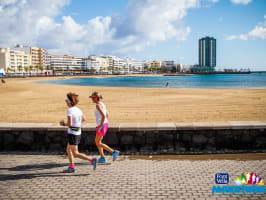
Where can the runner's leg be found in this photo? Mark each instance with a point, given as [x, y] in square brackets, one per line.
[97, 142]
[70, 155]
[104, 146]
[75, 151]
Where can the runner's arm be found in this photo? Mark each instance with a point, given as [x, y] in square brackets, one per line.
[69, 122]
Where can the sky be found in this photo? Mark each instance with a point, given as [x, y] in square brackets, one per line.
[141, 29]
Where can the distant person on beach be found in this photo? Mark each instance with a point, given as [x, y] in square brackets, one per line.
[101, 115]
[74, 121]
[167, 84]
[3, 82]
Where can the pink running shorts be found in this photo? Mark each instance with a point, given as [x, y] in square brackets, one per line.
[104, 130]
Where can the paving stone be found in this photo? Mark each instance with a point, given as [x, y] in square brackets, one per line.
[38, 176]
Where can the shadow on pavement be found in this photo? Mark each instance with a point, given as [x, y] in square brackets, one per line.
[42, 166]
[14, 177]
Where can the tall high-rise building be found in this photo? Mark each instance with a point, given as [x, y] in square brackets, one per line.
[207, 52]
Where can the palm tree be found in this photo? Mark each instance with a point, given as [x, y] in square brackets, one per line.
[26, 68]
[93, 70]
[37, 67]
[41, 68]
[110, 69]
[146, 68]
[19, 68]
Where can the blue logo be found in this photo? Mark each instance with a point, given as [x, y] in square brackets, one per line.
[247, 183]
[222, 178]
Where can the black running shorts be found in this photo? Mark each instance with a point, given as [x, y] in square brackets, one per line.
[73, 139]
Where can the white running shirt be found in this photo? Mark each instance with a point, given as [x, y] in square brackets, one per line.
[76, 115]
[99, 116]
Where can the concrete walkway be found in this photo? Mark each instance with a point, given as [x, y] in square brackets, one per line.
[38, 176]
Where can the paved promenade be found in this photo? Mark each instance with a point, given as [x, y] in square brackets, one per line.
[28, 176]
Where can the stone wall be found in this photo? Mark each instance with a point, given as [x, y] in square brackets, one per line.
[155, 138]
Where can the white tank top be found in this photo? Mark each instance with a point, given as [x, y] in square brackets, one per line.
[99, 116]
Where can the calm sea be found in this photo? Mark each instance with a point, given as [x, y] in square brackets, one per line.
[254, 80]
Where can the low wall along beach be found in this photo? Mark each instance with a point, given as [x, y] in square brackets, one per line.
[150, 138]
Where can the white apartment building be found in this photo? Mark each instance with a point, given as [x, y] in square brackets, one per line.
[14, 60]
[116, 63]
[97, 63]
[131, 64]
[65, 62]
[168, 63]
[186, 68]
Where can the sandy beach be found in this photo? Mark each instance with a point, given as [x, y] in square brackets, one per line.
[23, 100]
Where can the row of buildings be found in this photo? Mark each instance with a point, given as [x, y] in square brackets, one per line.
[23, 58]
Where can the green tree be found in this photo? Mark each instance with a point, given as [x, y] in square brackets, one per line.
[146, 68]
[19, 68]
[41, 68]
[110, 69]
[93, 70]
[26, 68]
[37, 67]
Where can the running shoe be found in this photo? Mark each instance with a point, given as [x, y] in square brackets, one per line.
[102, 160]
[115, 155]
[69, 170]
[94, 163]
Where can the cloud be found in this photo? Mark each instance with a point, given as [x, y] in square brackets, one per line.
[243, 37]
[231, 37]
[35, 22]
[244, 2]
[19, 19]
[259, 32]
[214, 1]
